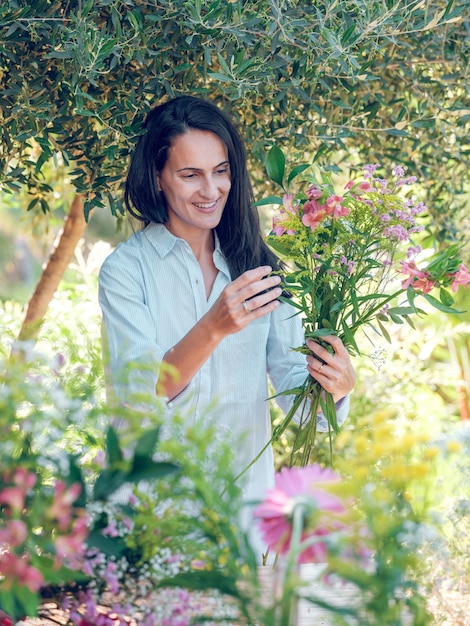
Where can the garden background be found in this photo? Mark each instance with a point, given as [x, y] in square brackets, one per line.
[337, 83]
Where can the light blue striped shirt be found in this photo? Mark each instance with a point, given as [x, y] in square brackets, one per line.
[151, 291]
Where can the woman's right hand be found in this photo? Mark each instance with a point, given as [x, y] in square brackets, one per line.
[248, 297]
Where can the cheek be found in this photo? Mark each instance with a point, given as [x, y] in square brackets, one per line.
[227, 185]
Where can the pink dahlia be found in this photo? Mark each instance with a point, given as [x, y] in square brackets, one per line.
[295, 486]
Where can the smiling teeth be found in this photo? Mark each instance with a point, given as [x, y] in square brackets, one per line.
[205, 206]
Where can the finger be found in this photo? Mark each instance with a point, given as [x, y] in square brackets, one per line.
[250, 276]
[251, 314]
[318, 351]
[260, 300]
[319, 367]
[336, 343]
[260, 287]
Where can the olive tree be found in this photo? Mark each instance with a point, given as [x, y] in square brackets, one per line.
[382, 80]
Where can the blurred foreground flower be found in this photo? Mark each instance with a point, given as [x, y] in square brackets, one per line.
[324, 512]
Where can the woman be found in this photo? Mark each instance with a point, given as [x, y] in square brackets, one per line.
[194, 290]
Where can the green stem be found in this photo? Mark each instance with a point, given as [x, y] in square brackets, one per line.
[289, 592]
[277, 432]
[364, 320]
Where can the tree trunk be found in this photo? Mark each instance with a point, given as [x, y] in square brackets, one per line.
[52, 274]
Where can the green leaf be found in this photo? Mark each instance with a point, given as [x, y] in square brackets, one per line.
[54, 574]
[411, 295]
[147, 443]
[113, 450]
[401, 310]
[112, 546]
[349, 337]
[108, 482]
[221, 77]
[384, 331]
[329, 411]
[269, 200]
[27, 599]
[426, 123]
[202, 580]
[397, 133]
[321, 332]
[75, 476]
[296, 171]
[277, 245]
[348, 34]
[276, 165]
[446, 298]
[147, 469]
[440, 306]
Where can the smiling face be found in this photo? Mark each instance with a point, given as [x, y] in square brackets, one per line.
[195, 182]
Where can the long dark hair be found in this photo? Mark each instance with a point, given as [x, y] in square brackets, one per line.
[239, 230]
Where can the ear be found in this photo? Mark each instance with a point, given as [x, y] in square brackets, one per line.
[159, 187]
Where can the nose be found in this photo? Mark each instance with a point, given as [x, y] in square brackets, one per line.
[209, 188]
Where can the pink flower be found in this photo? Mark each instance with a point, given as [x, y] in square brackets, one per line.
[424, 284]
[312, 220]
[14, 533]
[294, 486]
[461, 277]
[24, 479]
[287, 202]
[313, 214]
[14, 567]
[349, 185]
[72, 544]
[365, 186]
[61, 507]
[314, 192]
[418, 279]
[278, 227]
[14, 497]
[335, 208]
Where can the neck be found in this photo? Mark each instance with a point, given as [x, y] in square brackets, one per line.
[201, 242]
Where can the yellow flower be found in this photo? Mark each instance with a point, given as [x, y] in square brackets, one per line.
[454, 446]
[431, 452]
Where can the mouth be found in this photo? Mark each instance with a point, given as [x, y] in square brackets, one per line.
[206, 206]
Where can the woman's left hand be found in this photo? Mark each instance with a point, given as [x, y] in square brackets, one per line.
[334, 372]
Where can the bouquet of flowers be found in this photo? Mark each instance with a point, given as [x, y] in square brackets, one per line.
[351, 262]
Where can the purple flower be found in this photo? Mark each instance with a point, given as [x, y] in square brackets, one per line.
[396, 232]
[398, 170]
[370, 169]
[413, 251]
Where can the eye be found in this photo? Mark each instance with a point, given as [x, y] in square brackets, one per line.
[222, 170]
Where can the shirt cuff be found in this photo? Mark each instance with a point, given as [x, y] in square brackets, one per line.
[342, 410]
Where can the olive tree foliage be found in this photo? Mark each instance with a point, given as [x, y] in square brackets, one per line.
[376, 79]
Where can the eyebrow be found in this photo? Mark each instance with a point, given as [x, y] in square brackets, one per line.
[198, 169]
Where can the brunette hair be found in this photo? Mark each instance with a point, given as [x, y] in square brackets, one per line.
[239, 230]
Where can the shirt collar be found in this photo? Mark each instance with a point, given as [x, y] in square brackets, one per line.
[163, 241]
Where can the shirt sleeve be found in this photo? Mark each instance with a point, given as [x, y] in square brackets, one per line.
[287, 368]
[131, 353]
